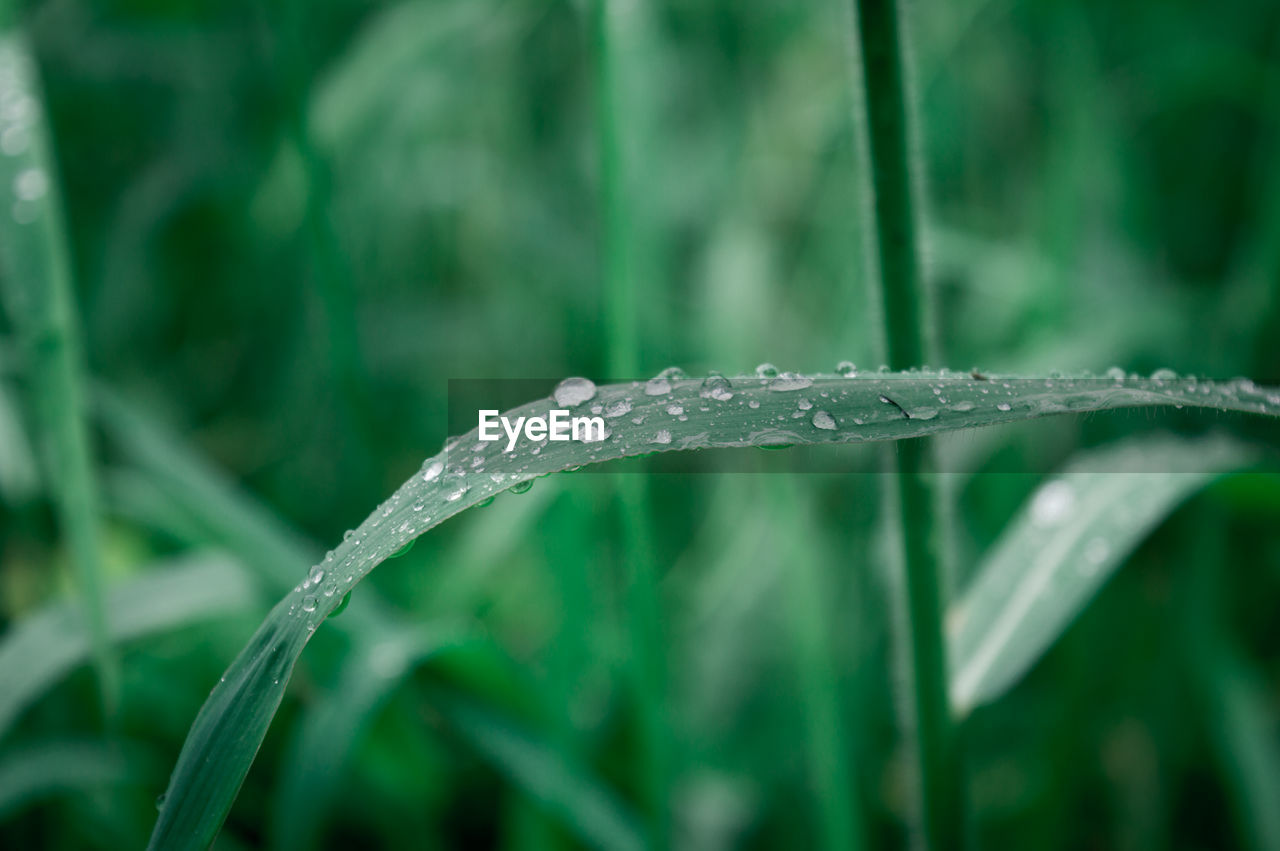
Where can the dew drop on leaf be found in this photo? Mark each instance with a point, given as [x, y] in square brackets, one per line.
[716, 387]
[617, 408]
[788, 382]
[574, 391]
[823, 420]
[847, 369]
[521, 487]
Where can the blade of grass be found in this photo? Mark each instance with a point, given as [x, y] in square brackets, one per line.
[622, 309]
[545, 774]
[36, 280]
[1242, 724]
[1075, 531]
[228, 731]
[41, 648]
[1238, 712]
[908, 343]
[839, 809]
[19, 476]
[45, 769]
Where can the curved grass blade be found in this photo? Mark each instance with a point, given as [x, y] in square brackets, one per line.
[40, 649]
[667, 413]
[36, 282]
[1076, 530]
[48, 768]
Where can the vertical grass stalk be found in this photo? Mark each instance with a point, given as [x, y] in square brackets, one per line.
[908, 342]
[35, 264]
[620, 310]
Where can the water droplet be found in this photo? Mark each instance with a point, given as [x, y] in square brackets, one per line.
[753, 403]
[309, 603]
[431, 471]
[521, 487]
[1160, 376]
[766, 370]
[488, 500]
[847, 369]
[617, 408]
[342, 607]
[922, 413]
[789, 381]
[349, 536]
[408, 546]
[418, 505]
[1115, 374]
[962, 406]
[663, 437]
[574, 391]
[803, 404]
[716, 387]
[1052, 503]
[160, 801]
[657, 386]
[1004, 406]
[675, 410]
[594, 435]
[316, 576]
[456, 494]
[823, 420]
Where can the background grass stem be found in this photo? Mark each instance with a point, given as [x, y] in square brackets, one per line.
[909, 343]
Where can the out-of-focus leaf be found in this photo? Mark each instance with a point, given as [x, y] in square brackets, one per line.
[48, 768]
[334, 724]
[41, 648]
[1076, 530]
[1243, 729]
[567, 790]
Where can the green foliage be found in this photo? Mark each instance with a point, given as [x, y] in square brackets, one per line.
[289, 226]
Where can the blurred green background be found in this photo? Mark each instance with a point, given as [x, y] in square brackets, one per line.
[292, 223]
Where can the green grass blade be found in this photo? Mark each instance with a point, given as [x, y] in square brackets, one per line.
[228, 731]
[36, 281]
[545, 775]
[1076, 530]
[673, 412]
[909, 341]
[837, 806]
[19, 476]
[231, 518]
[1242, 725]
[41, 648]
[41, 770]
